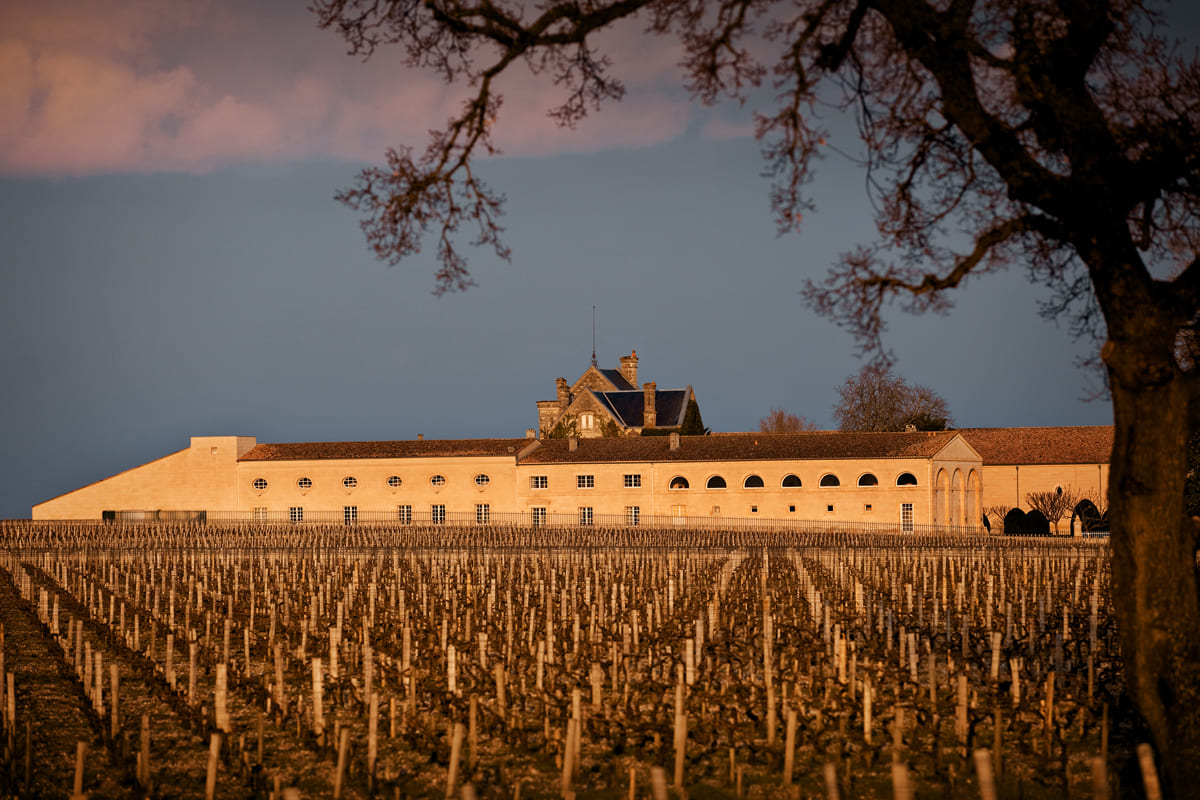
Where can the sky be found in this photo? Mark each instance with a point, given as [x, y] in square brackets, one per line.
[174, 263]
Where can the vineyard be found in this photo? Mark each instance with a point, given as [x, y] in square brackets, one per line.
[179, 660]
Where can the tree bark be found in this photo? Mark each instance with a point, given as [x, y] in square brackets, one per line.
[1154, 555]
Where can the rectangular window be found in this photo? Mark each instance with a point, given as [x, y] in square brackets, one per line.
[633, 515]
[792, 509]
[753, 509]
[586, 422]
[716, 511]
[829, 509]
[538, 481]
[538, 516]
[678, 511]
[633, 481]
[404, 514]
[585, 515]
[906, 517]
[296, 514]
[437, 514]
[349, 514]
[585, 481]
[483, 513]
[260, 514]
[867, 507]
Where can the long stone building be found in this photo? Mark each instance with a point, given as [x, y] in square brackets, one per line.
[605, 473]
[901, 480]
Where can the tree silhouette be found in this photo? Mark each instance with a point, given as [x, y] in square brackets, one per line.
[877, 399]
[1060, 136]
[779, 421]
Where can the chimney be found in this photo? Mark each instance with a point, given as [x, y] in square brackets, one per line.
[674, 440]
[420, 437]
[564, 392]
[572, 443]
[530, 433]
[649, 413]
[629, 368]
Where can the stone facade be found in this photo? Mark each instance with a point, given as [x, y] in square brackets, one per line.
[893, 481]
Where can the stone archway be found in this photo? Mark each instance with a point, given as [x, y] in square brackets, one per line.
[941, 499]
[957, 500]
[973, 517]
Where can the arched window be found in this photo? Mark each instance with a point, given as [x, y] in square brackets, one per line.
[753, 482]
[906, 479]
[715, 482]
[830, 480]
[791, 482]
[679, 482]
[867, 479]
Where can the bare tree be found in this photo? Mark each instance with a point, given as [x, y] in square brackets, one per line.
[779, 421]
[1055, 135]
[877, 399]
[996, 514]
[1054, 504]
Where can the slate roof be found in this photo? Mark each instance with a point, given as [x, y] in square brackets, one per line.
[629, 407]
[823, 445]
[410, 448]
[616, 379]
[1078, 444]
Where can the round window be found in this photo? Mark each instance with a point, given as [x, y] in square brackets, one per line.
[350, 481]
[395, 482]
[482, 480]
[304, 484]
[260, 484]
[437, 480]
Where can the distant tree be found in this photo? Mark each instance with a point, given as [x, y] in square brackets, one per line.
[692, 425]
[567, 428]
[1090, 515]
[877, 399]
[1015, 523]
[1059, 136]
[996, 516]
[1054, 504]
[1036, 523]
[779, 421]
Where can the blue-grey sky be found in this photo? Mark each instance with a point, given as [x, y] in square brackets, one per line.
[174, 263]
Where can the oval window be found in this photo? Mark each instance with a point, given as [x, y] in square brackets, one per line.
[753, 482]
[349, 481]
[482, 480]
[260, 484]
[395, 482]
[304, 484]
[437, 480]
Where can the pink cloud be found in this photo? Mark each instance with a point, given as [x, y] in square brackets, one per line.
[94, 86]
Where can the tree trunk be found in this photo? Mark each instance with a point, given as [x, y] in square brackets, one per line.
[1154, 557]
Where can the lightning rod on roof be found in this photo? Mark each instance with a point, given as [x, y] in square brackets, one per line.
[593, 336]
